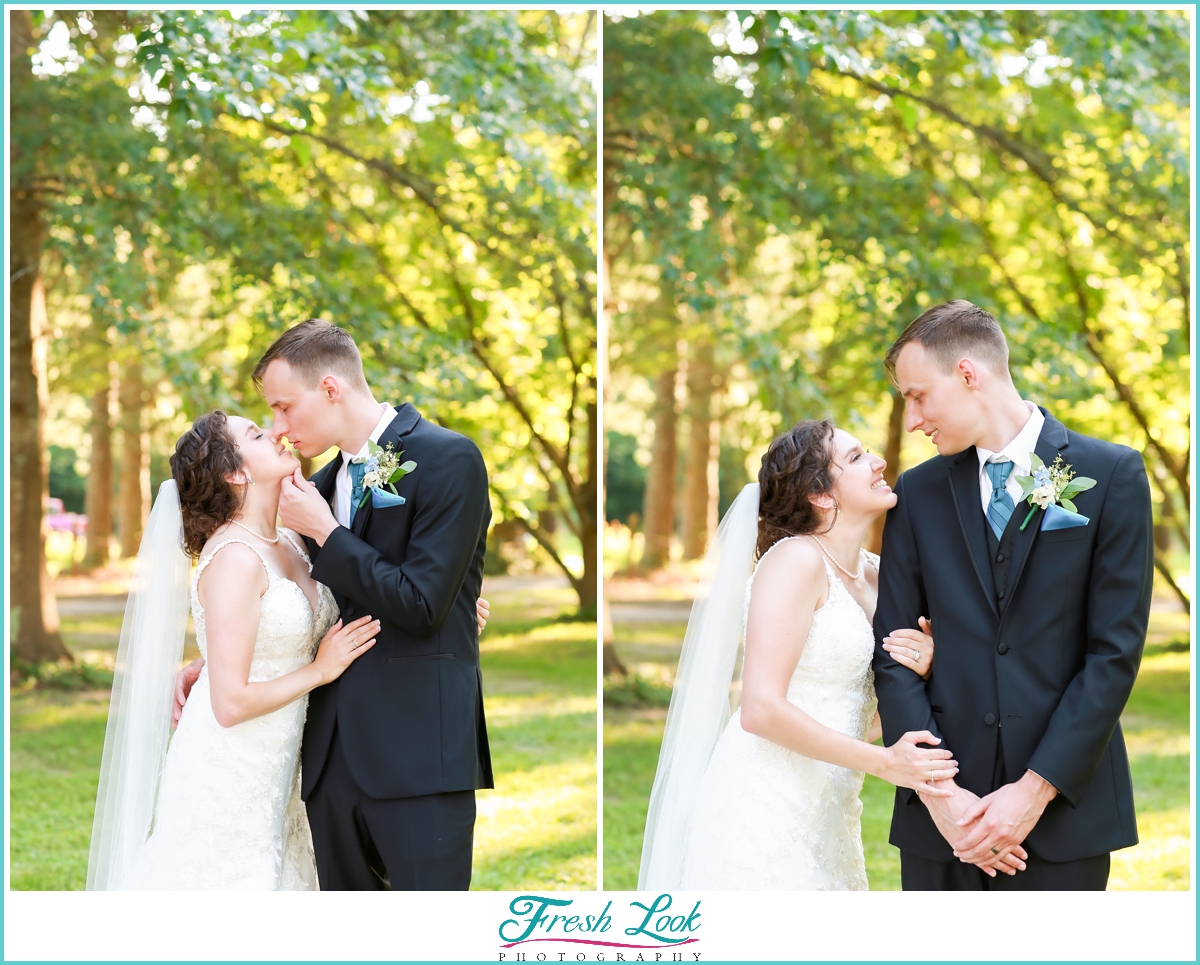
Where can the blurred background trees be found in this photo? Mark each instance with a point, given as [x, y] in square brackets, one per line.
[185, 186]
[784, 192]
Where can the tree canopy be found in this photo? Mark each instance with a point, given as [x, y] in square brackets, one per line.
[424, 179]
[814, 179]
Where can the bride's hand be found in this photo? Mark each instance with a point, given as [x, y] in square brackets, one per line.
[913, 648]
[184, 681]
[342, 645]
[908, 765]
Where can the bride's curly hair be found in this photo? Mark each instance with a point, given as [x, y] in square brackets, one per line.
[797, 466]
[203, 456]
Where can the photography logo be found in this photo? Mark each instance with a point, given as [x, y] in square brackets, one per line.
[557, 930]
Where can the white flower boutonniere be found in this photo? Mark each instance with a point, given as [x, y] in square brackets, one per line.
[384, 468]
[1051, 484]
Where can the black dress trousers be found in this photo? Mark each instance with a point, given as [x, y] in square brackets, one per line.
[363, 843]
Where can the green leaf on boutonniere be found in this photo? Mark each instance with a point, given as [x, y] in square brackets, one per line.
[1077, 485]
[1067, 504]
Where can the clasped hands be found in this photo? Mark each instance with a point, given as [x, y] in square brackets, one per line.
[988, 831]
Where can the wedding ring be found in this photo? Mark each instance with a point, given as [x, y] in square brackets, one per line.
[994, 851]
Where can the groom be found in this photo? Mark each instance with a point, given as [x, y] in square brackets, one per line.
[1038, 625]
[396, 747]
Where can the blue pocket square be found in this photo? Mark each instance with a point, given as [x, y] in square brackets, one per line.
[381, 498]
[1058, 518]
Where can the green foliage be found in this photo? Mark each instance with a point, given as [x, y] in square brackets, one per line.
[65, 481]
[624, 479]
[816, 178]
[79, 674]
[424, 179]
[635, 690]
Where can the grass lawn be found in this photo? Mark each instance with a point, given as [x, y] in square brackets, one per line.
[1156, 725]
[535, 831]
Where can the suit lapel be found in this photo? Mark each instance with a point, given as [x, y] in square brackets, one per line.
[964, 484]
[326, 477]
[405, 420]
[1051, 442]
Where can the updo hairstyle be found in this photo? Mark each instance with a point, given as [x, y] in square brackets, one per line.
[203, 456]
[797, 466]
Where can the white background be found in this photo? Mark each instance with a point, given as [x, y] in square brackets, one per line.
[360, 926]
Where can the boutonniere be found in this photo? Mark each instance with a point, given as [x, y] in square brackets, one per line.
[1055, 483]
[384, 468]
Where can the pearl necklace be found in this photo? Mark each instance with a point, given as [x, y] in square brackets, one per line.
[266, 539]
[853, 576]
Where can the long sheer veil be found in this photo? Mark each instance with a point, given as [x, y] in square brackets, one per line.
[700, 706]
[139, 714]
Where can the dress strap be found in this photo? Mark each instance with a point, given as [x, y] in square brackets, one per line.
[220, 546]
[287, 535]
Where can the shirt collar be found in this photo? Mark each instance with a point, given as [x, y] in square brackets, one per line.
[387, 414]
[1022, 445]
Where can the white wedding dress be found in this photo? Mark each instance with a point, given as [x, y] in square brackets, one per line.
[768, 819]
[228, 814]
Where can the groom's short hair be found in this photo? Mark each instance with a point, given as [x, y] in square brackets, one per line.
[312, 349]
[951, 331]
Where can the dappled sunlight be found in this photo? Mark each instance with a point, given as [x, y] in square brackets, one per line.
[1161, 861]
[549, 810]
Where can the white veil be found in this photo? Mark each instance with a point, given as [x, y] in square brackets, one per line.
[700, 706]
[139, 714]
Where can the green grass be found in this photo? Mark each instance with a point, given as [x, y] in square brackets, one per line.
[1156, 725]
[535, 831]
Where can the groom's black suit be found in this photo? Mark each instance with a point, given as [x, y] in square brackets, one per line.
[395, 748]
[1037, 643]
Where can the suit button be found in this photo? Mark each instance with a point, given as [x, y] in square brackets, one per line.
[989, 719]
[1003, 648]
[1000, 558]
[1000, 595]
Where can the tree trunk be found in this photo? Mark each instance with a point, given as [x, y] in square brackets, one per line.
[658, 518]
[588, 495]
[36, 637]
[100, 484]
[891, 453]
[700, 465]
[135, 461]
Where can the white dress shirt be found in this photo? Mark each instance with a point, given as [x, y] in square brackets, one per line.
[1018, 452]
[341, 494]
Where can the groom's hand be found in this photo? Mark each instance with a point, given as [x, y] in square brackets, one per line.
[302, 509]
[947, 813]
[1000, 821]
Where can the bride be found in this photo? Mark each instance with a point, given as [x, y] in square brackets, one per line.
[219, 808]
[768, 798]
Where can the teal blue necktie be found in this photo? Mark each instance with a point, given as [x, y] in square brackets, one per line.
[1000, 508]
[358, 470]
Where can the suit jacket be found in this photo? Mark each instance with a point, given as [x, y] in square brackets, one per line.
[409, 710]
[1040, 675]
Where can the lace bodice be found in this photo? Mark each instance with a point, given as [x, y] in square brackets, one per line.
[287, 625]
[833, 680]
[229, 814]
[767, 818]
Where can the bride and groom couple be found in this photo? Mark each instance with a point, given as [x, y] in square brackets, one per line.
[363, 611]
[1005, 745]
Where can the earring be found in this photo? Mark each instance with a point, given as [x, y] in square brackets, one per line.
[249, 478]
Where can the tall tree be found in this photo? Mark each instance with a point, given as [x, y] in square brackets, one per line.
[37, 636]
